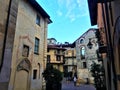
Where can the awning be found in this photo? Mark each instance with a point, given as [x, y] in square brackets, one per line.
[92, 5]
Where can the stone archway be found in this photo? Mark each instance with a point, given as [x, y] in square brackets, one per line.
[22, 80]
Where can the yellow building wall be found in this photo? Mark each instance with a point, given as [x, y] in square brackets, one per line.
[56, 64]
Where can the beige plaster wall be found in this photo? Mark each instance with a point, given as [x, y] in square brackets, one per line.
[26, 31]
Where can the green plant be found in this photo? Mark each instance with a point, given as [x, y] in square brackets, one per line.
[52, 75]
[97, 71]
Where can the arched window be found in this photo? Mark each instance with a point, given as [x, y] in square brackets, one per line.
[81, 41]
[82, 52]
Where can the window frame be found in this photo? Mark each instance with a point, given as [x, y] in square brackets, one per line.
[58, 58]
[82, 50]
[48, 58]
[81, 41]
[35, 74]
[36, 47]
[38, 20]
[84, 65]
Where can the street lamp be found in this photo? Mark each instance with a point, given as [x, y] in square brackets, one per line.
[89, 45]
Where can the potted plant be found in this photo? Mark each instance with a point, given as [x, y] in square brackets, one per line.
[53, 78]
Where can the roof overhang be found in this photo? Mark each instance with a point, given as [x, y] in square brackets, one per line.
[92, 5]
[39, 9]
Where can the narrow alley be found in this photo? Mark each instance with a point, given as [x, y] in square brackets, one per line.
[70, 86]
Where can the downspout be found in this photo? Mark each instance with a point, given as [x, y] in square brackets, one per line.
[5, 35]
[109, 41]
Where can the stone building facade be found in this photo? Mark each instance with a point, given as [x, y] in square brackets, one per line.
[23, 44]
[86, 47]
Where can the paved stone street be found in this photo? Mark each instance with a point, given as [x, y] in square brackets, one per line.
[70, 86]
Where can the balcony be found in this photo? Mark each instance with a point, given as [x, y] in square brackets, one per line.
[58, 53]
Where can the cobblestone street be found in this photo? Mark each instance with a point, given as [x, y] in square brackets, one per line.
[70, 86]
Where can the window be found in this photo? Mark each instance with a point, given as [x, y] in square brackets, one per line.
[39, 70]
[72, 52]
[58, 58]
[36, 49]
[34, 74]
[66, 52]
[55, 52]
[48, 58]
[38, 20]
[81, 41]
[84, 65]
[58, 51]
[25, 52]
[48, 49]
[82, 52]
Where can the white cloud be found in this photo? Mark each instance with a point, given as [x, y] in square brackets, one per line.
[75, 9]
[59, 13]
[61, 2]
[81, 3]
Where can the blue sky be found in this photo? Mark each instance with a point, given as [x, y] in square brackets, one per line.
[70, 19]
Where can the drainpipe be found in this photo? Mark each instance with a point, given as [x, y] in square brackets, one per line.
[5, 36]
[109, 41]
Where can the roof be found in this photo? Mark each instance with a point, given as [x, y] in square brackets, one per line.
[51, 39]
[82, 36]
[55, 47]
[67, 45]
[36, 6]
[92, 5]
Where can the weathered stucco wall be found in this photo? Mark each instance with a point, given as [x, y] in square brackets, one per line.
[26, 31]
[90, 55]
[8, 24]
